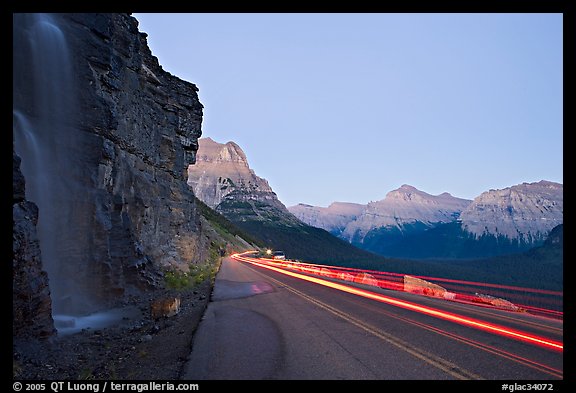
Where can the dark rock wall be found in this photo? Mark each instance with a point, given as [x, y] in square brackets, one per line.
[31, 306]
[136, 132]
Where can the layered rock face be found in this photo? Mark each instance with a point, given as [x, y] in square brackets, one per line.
[527, 211]
[405, 206]
[222, 173]
[109, 173]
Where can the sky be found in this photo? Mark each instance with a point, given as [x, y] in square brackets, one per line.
[349, 106]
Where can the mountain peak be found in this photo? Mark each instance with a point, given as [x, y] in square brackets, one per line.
[408, 189]
[410, 193]
[543, 184]
[222, 169]
[212, 151]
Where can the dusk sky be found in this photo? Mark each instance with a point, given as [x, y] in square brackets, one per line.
[347, 107]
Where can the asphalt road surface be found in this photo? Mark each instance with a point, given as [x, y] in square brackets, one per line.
[261, 324]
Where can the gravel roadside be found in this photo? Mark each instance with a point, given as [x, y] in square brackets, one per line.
[136, 349]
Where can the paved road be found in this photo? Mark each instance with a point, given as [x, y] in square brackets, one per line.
[262, 324]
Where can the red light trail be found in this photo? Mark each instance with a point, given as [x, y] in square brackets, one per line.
[465, 291]
[497, 351]
[467, 321]
[461, 282]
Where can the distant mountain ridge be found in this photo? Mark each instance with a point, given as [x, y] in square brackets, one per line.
[333, 218]
[404, 208]
[410, 223]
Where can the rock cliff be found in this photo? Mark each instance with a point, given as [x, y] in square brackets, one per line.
[105, 136]
[526, 211]
[222, 173]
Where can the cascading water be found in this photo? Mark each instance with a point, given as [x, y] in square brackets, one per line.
[49, 144]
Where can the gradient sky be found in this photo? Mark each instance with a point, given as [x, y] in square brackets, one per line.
[347, 107]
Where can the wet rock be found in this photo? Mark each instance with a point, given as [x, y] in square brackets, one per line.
[136, 128]
[31, 305]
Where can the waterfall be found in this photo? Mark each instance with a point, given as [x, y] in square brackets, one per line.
[45, 137]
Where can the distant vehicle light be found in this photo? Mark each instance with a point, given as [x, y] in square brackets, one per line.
[279, 255]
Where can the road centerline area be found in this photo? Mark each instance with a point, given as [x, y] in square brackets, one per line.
[478, 324]
[436, 361]
[263, 324]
